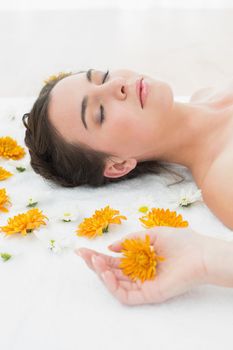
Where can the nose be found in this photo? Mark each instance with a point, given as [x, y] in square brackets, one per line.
[115, 87]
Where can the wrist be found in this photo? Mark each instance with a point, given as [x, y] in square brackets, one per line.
[218, 263]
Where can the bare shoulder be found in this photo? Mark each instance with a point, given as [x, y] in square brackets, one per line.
[217, 189]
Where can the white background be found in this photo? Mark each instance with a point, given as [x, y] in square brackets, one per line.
[132, 4]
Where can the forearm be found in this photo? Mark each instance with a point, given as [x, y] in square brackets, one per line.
[218, 261]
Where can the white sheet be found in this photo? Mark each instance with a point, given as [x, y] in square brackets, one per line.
[54, 301]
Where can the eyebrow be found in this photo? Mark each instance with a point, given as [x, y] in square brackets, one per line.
[85, 100]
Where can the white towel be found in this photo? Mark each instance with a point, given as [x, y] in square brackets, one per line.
[52, 300]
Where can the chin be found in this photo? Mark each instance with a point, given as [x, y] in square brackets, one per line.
[163, 95]
[169, 100]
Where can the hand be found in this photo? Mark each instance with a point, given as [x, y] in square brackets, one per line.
[183, 268]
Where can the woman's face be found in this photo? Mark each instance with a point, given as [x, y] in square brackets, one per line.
[127, 130]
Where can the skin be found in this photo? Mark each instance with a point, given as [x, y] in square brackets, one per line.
[197, 135]
[191, 260]
[191, 134]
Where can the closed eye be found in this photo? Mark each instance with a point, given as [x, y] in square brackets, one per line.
[102, 113]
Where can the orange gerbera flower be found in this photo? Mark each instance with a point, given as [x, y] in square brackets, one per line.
[4, 200]
[4, 174]
[99, 222]
[161, 217]
[140, 259]
[24, 223]
[10, 149]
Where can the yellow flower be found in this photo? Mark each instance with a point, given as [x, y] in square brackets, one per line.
[10, 149]
[4, 174]
[4, 200]
[55, 77]
[161, 217]
[24, 223]
[99, 222]
[140, 259]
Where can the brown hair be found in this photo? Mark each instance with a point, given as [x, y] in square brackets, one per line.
[69, 164]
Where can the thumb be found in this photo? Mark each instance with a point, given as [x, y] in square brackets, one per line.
[116, 246]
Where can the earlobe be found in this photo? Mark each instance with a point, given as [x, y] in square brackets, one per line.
[119, 168]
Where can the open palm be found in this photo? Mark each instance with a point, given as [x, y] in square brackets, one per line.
[183, 268]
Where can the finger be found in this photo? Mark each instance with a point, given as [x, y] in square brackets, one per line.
[110, 281]
[131, 297]
[120, 275]
[124, 281]
[129, 285]
[100, 266]
[87, 254]
[127, 292]
[86, 257]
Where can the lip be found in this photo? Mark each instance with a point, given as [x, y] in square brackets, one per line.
[142, 91]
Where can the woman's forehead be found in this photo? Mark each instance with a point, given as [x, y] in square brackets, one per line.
[65, 104]
[68, 81]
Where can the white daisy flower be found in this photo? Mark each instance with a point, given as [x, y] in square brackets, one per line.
[58, 244]
[31, 203]
[67, 213]
[186, 197]
[68, 216]
[143, 209]
[142, 205]
[51, 242]
[54, 246]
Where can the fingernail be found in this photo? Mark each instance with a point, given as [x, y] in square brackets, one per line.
[112, 246]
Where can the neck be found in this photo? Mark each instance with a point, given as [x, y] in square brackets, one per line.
[194, 136]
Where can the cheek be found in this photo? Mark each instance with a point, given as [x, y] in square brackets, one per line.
[120, 130]
[117, 132]
[127, 133]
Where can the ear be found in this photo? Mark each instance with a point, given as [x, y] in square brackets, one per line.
[118, 167]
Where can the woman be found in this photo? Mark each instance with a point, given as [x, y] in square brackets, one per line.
[92, 128]
[97, 127]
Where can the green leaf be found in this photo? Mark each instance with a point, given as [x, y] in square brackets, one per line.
[105, 229]
[20, 169]
[5, 256]
[33, 204]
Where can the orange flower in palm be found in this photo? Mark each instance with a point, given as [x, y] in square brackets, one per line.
[140, 260]
[99, 222]
[161, 217]
[24, 223]
[10, 149]
[4, 174]
[4, 200]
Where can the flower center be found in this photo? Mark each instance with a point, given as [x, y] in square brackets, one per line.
[142, 259]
